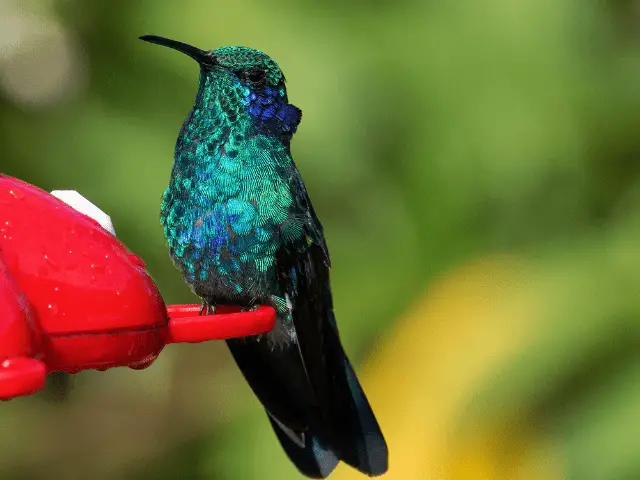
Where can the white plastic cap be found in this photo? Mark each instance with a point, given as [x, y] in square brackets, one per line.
[81, 204]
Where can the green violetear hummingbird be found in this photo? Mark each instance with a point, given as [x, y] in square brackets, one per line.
[242, 230]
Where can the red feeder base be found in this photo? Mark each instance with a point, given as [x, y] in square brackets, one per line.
[72, 297]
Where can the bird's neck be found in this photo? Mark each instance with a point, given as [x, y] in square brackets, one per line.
[215, 126]
[226, 119]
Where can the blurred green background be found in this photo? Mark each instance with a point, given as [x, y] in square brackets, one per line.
[475, 165]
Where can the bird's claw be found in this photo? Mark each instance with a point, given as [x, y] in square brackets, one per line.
[207, 309]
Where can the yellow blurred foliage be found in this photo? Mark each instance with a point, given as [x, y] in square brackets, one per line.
[424, 376]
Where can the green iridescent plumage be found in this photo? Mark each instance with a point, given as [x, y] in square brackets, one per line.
[241, 228]
[229, 204]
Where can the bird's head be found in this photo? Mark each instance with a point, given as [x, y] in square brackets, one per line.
[248, 79]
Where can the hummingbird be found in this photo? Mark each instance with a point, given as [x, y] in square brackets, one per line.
[242, 230]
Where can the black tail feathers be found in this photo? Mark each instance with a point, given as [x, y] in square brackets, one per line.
[348, 430]
[306, 452]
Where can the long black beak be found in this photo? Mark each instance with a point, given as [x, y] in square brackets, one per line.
[200, 56]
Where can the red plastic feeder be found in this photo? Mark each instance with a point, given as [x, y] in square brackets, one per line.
[72, 297]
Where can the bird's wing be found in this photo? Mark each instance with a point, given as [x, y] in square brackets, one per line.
[345, 414]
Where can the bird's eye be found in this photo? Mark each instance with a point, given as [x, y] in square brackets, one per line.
[256, 76]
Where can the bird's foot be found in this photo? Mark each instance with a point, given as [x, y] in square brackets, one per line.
[249, 309]
[207, 309]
